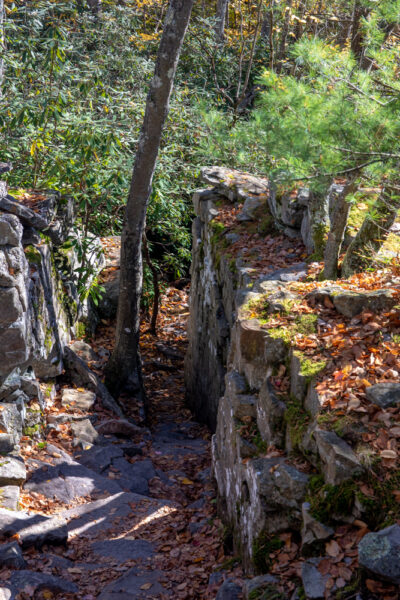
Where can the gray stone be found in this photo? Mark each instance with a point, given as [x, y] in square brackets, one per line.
[282, 484]
[92, 518]
[350, 303]
[379, 553]
[60, 418]
[108, 303]
[9, 497]
[82, 376]
[260, 584]
[25, 214]
[33, 529]
[292, 273]
[130, 586]
[320, 295]
[270, 415]
[280, 301]
[10, 230]
[235, 185]
[83, 431]
[123, 549]
[292, 211]
[11, 307]
[84, 351]
[12, 415]
[340, 462]
[313, 532]
[77, 399]
[298, 383]
[384, 394]
[313, 582]
[134, 477]
[99, 458]
[12, 471]
[249, 210]
[229, 590]
[7, 443]
[11, 556]
[313, 401]
[42, 581]
[120, 427]
[68, 481]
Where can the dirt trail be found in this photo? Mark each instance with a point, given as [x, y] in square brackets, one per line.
[114, 511]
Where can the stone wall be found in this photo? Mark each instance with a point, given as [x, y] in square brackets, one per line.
[41, 311]
[268, 444]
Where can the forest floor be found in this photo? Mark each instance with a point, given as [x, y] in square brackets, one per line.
[138, 502]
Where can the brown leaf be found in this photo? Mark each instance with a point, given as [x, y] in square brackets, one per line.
[332, 548]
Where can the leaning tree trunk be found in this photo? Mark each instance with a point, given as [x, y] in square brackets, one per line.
[373, 232]
[124, 365]
[339, 209]
[222, 7]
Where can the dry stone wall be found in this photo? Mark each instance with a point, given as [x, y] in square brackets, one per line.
[40, 312]
[268, 447]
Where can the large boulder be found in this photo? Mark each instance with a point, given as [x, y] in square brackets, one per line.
[379, 553]
[350, 303]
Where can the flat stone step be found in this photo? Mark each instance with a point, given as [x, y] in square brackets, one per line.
[94, 518]
[68, 481]
[123, 549]
[34, 582]
[33, 529]
[130, 586]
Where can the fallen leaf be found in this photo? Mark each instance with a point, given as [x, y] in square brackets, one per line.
[388, 454]
[146, 586]
[332, 548]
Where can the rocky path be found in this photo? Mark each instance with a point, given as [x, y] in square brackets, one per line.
[116, 508]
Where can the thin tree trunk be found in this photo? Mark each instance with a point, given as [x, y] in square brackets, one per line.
[222, 7]
[284, 34]
[356, 42]
[124, 365]
[156, 287]
[339, 210]
[373, 231]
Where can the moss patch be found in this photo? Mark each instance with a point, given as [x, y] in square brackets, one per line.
[33, 255]
[268, 592]
[310, 368]
[328, 500]
[297, 420]
[263, 546]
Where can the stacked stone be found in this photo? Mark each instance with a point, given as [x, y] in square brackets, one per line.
[261, 497]
[39, 311]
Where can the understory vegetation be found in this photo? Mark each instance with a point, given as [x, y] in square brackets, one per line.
[306, 95]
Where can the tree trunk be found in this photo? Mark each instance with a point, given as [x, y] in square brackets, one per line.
[156, 287]
[285, 30]
[222, 7]
[356, 42]
[339, 210]
[124, 365]
[373, 232]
